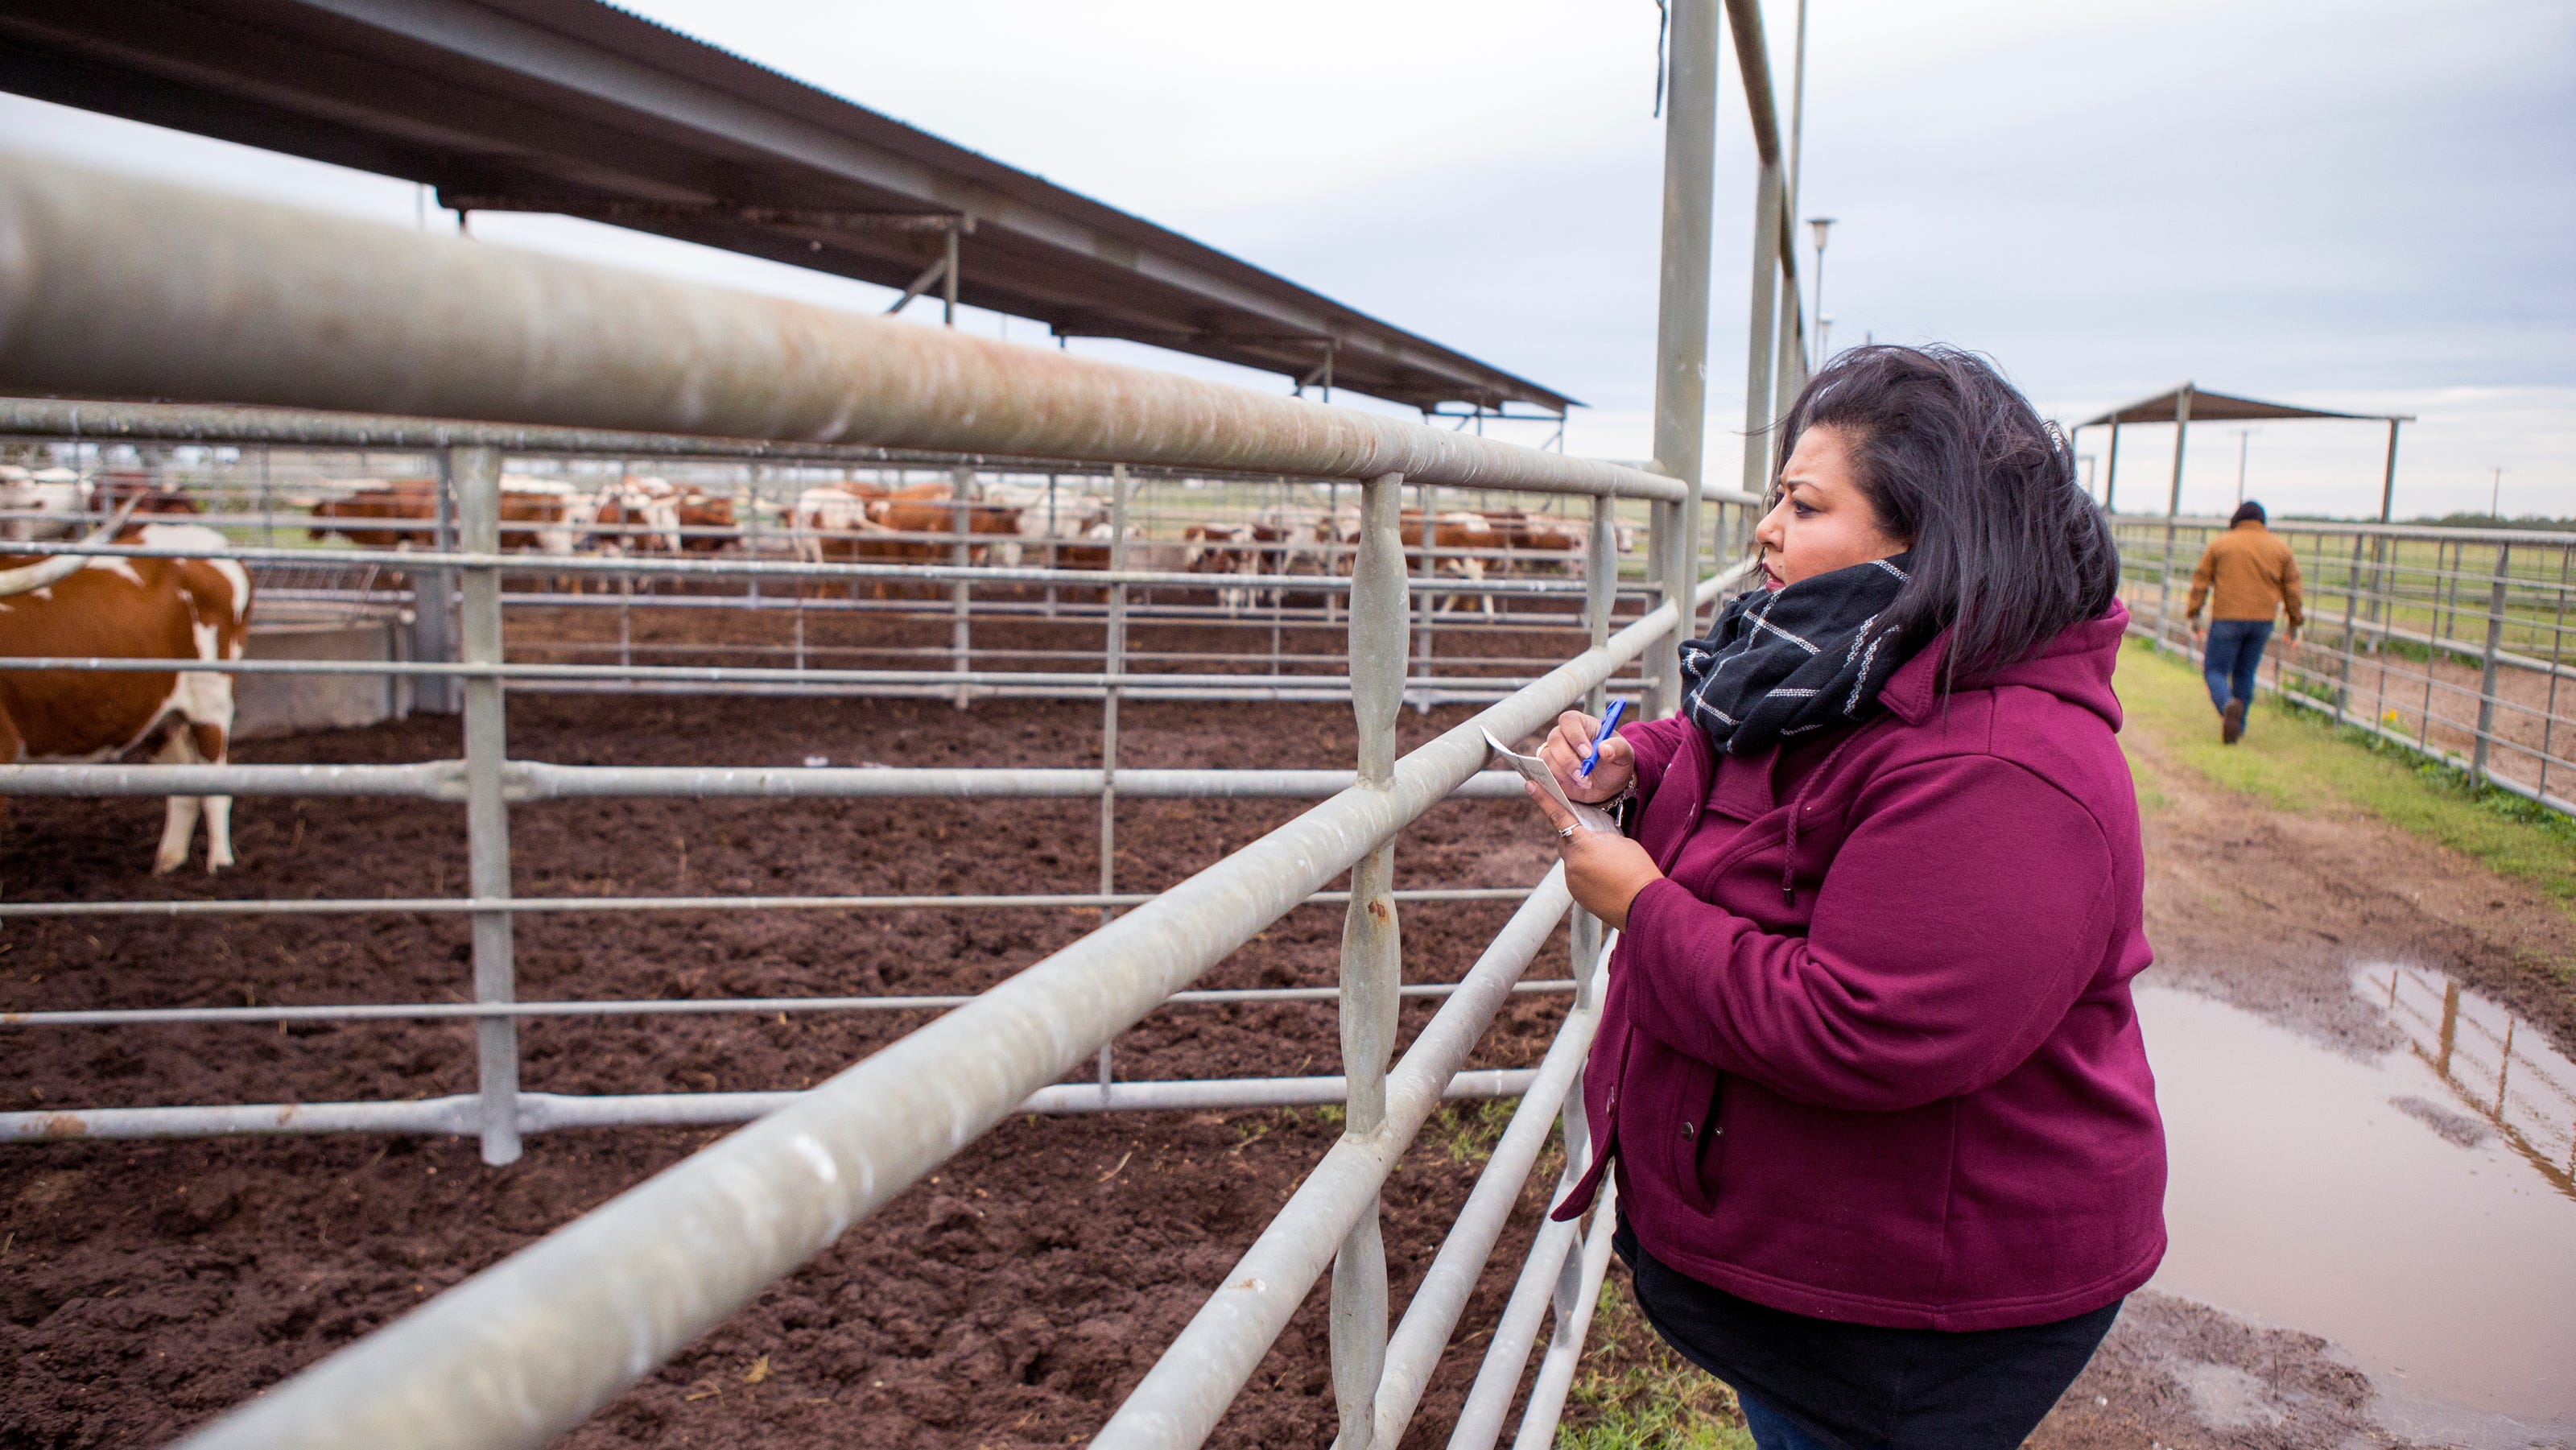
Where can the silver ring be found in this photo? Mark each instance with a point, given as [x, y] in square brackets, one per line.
[1565, 833]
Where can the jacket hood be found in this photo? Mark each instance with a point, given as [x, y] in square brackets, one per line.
[2075, 667]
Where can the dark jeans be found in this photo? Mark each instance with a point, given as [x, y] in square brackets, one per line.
[1821, 1384]
[2235, 650]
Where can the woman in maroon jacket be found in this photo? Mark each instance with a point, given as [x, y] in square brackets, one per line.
[1887, 1146]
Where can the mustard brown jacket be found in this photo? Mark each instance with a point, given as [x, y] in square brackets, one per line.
[2252, 572]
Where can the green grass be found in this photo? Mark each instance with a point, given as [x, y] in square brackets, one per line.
[2291, 760]
[1634, 1393]
[1468, 1131]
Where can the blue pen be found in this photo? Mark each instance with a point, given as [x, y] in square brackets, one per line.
[1609, 722]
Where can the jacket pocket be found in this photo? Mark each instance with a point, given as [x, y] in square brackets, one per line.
[1708, 1162]
[1686, 1093]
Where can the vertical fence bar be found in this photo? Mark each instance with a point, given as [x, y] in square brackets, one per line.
[1115, 666]
[751, 535]
[1427, 502]
[2351, 599]
[2557, 657]
[2487, 676]
[960, 517]
[477, 476]
[433, 619]
[1371, 947]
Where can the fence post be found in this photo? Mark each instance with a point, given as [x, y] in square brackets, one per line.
[1372, 956]
[2487, 679]
[477, 476]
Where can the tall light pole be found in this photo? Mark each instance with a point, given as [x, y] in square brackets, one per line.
[2495, 496]
[1824, 332]
[1822, 225]
[2242, 434]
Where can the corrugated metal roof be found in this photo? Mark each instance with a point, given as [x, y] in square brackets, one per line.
[2209, 407]
[578, 107]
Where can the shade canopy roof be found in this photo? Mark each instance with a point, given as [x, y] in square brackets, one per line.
[2209, 407]
[575, 107]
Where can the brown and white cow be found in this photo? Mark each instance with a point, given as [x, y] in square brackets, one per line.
[180, 610]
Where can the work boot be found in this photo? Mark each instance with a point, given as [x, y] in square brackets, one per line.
[2231, 723]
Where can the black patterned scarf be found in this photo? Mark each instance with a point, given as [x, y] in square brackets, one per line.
[1784, 663]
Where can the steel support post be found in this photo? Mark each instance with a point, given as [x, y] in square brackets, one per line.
[2173, 511]
[1763, 318]
[2388, 478]
[476, 473]
[2487, 676]
[948, 277]
[1371, 946]
[1114, 648]
[2111, 471]
[1681, 323]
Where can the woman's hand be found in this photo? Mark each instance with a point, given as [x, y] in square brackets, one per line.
[1570, 742]
[1604, 871]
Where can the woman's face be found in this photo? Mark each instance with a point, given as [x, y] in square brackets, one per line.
[1822, 521]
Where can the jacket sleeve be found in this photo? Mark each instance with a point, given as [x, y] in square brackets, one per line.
[1959, 920]
[2290, 599]
[1656, 743]
[2201, 578]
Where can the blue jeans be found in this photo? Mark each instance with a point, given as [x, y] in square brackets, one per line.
[1773, 1430]
[2235, 650]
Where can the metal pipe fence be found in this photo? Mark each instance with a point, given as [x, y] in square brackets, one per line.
[313, 312]
[2451, 642]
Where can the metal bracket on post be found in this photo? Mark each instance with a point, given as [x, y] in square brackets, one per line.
[1372, 950]
[477, 476]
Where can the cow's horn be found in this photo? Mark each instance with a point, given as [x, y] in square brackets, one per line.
[28, 578]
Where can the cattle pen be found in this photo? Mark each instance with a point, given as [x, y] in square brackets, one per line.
[256, 305]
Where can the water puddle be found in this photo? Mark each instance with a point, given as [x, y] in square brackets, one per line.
[2418, 1210]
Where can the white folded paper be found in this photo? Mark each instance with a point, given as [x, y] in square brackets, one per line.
[1590, 818]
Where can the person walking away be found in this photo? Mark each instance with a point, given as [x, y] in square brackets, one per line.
[1868, 1070]
[2248, 575]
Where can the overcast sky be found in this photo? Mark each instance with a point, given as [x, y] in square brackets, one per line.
[2369, 205]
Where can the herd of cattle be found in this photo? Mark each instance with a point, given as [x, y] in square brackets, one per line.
[197, 608]
[1008, 524]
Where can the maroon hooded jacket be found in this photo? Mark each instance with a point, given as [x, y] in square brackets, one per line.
[1868, 1052]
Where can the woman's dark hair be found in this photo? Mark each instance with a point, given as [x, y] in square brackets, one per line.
[2248, 510]
[2008, 549]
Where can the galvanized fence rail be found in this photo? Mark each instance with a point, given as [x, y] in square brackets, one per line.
[2451, 642]
[260, 305]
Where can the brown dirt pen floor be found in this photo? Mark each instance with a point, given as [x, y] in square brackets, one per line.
[1015, 1297]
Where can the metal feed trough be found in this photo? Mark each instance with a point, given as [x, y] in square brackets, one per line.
[254, 304]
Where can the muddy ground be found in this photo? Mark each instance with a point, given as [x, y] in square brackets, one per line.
[1016, 1297]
